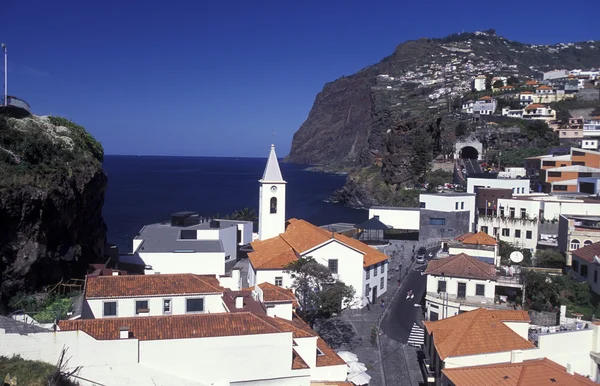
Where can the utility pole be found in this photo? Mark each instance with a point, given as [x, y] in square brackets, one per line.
[5, 75]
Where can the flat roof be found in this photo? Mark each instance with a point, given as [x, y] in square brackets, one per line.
[166, 238]
[394, 208]
[451, 194]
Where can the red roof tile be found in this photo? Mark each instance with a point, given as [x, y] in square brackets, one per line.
[275, 294]
[588, 253]
[477, 332]
[535, 106]
[536, 372]
[479, 238]
[462, 265]
[297, 361]
[150, 285]
[173, 327]
[329, 357]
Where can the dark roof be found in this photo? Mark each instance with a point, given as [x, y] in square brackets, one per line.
[372, 224]
[166, 238]
[11, 326]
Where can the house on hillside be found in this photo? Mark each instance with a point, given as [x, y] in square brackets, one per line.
[540, 112]
[479, 245]
[462, 283]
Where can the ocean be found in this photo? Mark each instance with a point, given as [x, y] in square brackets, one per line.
[147, 189]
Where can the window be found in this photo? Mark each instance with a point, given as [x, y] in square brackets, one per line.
[560, 187]
[368, 290]
[141, 306]
[528, 235]
[523, 213]
[437, 221]
[517, 233]
[501, 211]
[273, 204]
[549, 163]
[381, 283]
[484, 228]
[239, 236]
[368, 272]
[422, 205]
[512, 211]
[319, 352]
[575, 265]
[462, 205]
[375, 270]
[580, 163]
[496, 231]
[110, 309]
[441, 286]
[575, 244]
[578, 153]
[584, 270]
[480, 290]
[456, 205]
[166, 306]
[188, 234]
[194, 305]
[333, 265]
[506, 232]
[382, 267]
[554, 174]
[585, 174]
[587, 242]
[279, 281]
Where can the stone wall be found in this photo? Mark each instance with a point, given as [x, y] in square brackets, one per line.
[543, 318]
[456, 224]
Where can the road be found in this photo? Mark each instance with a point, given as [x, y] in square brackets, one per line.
[472, 166]
[398, 322]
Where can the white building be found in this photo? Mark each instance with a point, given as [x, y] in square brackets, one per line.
[539, 111]
[479, 83]
[518, 186]
[485, 106]
[479, 245]
[463, 283]
[189, 244]
[154, 295]
[591, 127]
[271, 202]
[512, 172]
[556, 74]
[589, 144]
[397, 217]
[512, 113]
[351, 261]
[450, 202]
[493, 337]
[467, 107]
[585, 265]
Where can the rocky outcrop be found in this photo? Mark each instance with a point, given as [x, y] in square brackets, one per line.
[51, 200]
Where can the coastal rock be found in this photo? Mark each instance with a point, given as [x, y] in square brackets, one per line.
[51, 195]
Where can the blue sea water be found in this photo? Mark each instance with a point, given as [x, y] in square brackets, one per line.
[147, 189]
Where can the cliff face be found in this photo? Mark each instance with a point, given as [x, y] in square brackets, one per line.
[351, 117]
[51, 194]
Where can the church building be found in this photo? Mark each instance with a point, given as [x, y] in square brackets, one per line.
[282, 242]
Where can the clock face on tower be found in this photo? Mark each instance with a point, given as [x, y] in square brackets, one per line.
[273, 188]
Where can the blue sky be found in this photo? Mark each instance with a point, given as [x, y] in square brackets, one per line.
[217, 78]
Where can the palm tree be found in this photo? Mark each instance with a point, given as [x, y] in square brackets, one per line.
[245, 214]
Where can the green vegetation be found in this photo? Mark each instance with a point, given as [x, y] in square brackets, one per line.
[422, 153]
[498, 84]
[319, 294]
[505, 249]
[549, 258]
[32, 373]
[437, 178]
[548, 292]
[516, 157]
[44, 308]
[81, 137]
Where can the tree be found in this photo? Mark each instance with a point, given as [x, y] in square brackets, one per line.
[512, 80]
[438, 177]
[319, 294]
[488, 82]
[245, 214]
[498, 84]
[460, 129]
[549, 258]
[422, 153]
[505, 249]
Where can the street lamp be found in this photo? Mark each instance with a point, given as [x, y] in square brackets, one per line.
[5, 75]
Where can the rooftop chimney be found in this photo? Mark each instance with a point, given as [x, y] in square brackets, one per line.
[124, 333]
[516, 356]
[239, 301]
[570, 369]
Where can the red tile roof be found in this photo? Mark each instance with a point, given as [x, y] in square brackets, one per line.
[297, 361]
[587, 253]
[535, 106]
[544, 88]
[526, 92]
[535, 372]
[173, 327]
[275, 294]
[479, 238]
[462, 265]
[150, 285]
[477, 332]
[299, 237]
[248, 302]
[485, 98]
[329, 357]
[463, 236]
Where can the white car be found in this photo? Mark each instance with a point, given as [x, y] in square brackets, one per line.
[420, 259]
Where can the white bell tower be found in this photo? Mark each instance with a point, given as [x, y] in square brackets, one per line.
[271, 205]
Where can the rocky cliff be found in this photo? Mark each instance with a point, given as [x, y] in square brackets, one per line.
[51, 194]
[383, 114]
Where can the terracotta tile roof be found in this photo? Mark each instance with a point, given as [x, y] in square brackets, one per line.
[531, 82]
[536, 372]
[173, 327]
[544, 88]
[485, 98]
[299, 237]
[587, 253]
[329, 357]
[534, 106]
[150, 285]
[297, 361]
[477, 332]
[462, 265]
[296, 326]
[248, 303]
[507, 87]
[275, 294]
[480, 238]
[526, 92]
[463, 236]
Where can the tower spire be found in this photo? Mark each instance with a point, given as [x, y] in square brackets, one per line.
[272, 172]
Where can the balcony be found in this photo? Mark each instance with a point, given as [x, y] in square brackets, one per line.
[509, 277]
[454, 301]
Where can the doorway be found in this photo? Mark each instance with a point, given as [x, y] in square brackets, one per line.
[374, 294]
[462, 290]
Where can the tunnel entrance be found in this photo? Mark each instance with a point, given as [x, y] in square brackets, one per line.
[469, 152]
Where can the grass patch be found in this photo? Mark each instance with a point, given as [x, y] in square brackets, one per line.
[32, 373]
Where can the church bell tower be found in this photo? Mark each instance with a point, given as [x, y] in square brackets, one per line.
[271, 206]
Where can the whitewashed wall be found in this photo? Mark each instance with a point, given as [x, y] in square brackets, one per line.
[375, 280]
[572, 348]
[519, 186]
[209, 263]
[450, 203]
[398, 218]
[280, 310]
